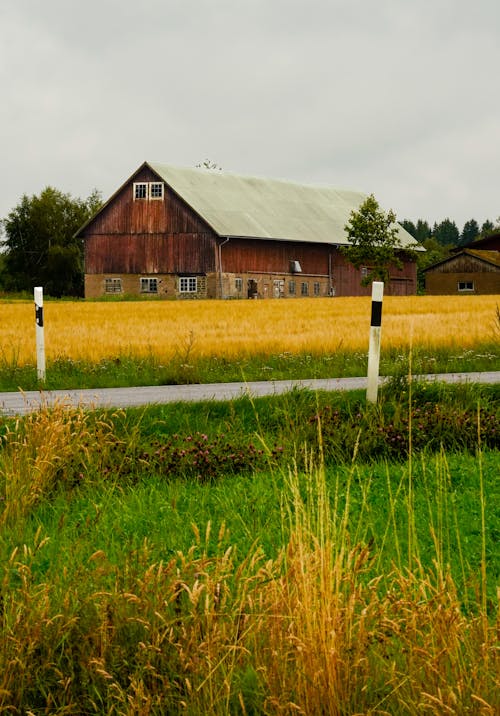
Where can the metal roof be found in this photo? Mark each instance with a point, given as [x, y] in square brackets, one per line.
[251, 207]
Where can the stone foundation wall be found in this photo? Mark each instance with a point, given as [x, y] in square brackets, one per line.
[234, 286]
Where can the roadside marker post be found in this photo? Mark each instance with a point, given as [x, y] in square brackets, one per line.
[40, 337]
[374, 347]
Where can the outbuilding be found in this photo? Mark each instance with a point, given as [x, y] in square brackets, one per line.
[471, 269]
[196, 233]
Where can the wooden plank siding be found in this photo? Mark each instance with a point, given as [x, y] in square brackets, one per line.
[149, 237]
[149, 254]
[463, 270]
[347, 279]
[264, 256]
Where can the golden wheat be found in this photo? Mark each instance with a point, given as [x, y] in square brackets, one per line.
[95, 331]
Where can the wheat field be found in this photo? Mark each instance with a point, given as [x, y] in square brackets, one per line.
[99, 330]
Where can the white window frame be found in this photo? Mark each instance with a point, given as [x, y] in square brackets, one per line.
[292, 288]
[304, 288]
[465, 286]
[156, 190]
[238, 285]
[317, 288]
[148, 191]
[149, 284]
[188, 284]
[141, 187]
[113, 285]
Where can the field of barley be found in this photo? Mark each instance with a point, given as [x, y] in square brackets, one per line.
[232, 329]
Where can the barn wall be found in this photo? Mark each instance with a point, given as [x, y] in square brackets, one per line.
[439, 283]
[444, 278]
[124, 215]
[263, 256]
[258, 258]
[347, 279]
[149, 253]
[148, 236]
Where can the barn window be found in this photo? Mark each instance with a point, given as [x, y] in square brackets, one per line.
[466, 285]
[304, 288]
[112, 285]
[188, 284]
[291, 288]
[148, 190]
[149, 285]
[156, 190]
[316, 288]
[238, 285]
[140, 190]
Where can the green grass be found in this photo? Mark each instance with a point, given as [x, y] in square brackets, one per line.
[134, 581]
[124, 370]
[119, 519]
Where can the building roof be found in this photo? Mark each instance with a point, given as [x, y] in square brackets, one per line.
[490, 257]
[251, 207]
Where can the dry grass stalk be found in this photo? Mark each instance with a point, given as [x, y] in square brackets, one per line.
[95, 331]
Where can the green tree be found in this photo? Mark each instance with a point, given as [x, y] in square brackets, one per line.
[470, 232]
[40, 247]
[487, 227]
[374, 241]
[446, 233]
[423, 231]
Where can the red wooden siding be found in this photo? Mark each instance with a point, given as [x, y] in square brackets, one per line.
[124, 215]
[141, 236]
[150, 253]
[264, 256]
[347, 279]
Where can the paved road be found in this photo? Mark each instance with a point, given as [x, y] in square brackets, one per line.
[18, 403]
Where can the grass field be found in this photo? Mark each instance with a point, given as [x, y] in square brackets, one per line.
[299, 554]
[148, 343]
[232, 329]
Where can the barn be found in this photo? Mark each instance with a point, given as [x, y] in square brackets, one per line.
[184, 233]
[471, 269]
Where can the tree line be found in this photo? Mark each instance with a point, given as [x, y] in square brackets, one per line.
[38, 243]
[39, 248]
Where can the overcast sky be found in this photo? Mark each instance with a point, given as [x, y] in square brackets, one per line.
[399, 98]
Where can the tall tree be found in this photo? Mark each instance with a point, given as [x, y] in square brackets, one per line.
[446, 233]
[487, 227]
[423, 231]
[40, 248]
[374, 240]
[470, 232]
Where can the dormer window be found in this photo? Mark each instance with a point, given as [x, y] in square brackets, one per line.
[145, 191]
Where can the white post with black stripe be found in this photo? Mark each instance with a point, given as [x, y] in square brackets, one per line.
[374, 347]
[40, 337]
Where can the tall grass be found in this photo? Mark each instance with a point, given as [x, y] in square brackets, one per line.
[239, 329]
[322, 623]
